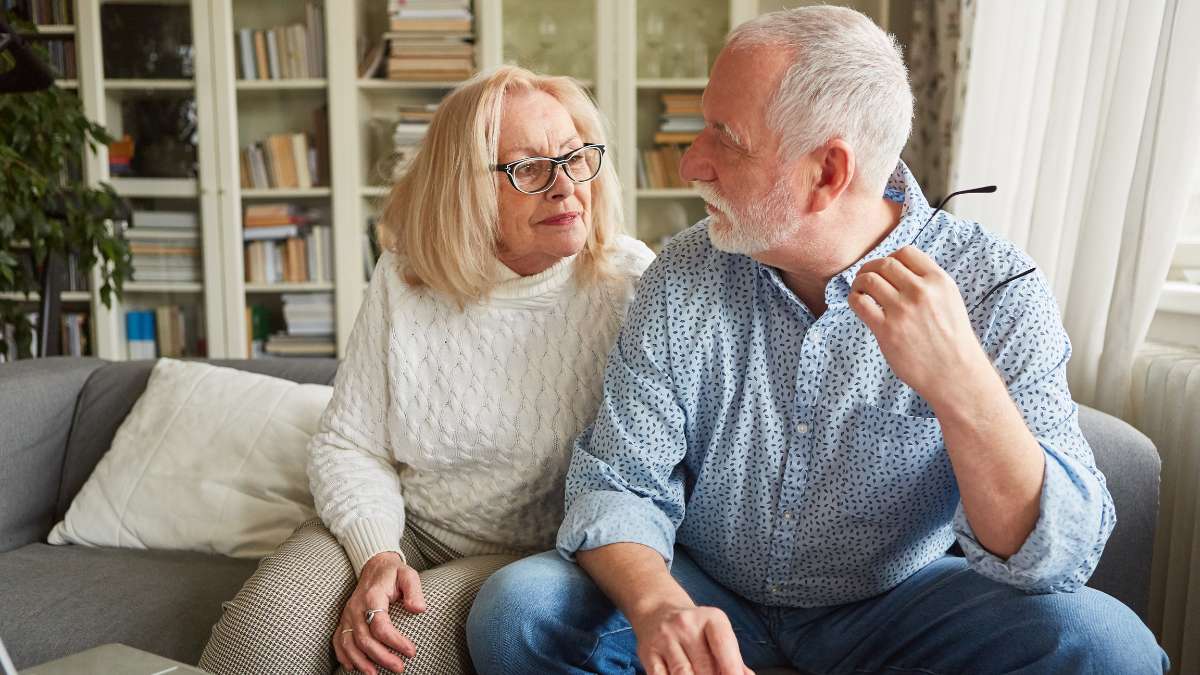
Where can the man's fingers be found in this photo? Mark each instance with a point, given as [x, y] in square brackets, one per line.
[894, 270]
[408, 582]
[917, 260]
[880, 290]
[681, 662]
[866, 308]
[654, 665]
[382, 630]
[723, 645]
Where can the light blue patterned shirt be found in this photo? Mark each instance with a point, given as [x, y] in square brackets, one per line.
[785, 456]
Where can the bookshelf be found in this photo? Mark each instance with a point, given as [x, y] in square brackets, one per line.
[230, 110]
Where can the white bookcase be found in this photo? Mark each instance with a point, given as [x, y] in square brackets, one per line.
[231, 113]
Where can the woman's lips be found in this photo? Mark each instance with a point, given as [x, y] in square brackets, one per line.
[561, 219]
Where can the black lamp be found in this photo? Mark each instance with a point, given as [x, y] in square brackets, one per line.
[20, 69]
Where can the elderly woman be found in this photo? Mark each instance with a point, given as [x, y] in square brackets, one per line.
[475, 360]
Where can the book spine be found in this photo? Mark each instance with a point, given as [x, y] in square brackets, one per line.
[246, 42]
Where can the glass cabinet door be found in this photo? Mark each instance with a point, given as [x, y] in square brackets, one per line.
[150, 54]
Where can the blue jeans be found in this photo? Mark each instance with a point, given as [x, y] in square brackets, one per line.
[545, 615]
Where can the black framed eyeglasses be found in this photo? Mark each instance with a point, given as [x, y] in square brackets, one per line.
[534, 175]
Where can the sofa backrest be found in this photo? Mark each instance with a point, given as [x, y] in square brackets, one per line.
[37, 402]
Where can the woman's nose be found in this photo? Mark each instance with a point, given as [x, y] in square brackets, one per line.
[562, 188]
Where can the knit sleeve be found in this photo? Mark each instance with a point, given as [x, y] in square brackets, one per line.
[351, 471]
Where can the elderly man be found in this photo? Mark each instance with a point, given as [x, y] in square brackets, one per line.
[817, 391]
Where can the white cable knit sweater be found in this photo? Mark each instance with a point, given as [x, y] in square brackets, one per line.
[464, 420]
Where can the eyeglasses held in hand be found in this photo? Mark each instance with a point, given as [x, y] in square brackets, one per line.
[534, 175]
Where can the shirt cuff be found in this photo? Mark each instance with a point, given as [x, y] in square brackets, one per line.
[606, 517]
[369, 537]
[1065, 545]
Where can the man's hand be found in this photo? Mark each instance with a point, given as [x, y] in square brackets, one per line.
[688, 639]
[385, 579]
[920, 322]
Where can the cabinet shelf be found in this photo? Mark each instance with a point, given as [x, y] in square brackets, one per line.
[156, 187]
[292, 287]
[377, 84]
[673, 83]
[121, 85]
[65, 296]
[667, 193]
[293, 84]
[155, 287]
[57, 29]
[285, 193]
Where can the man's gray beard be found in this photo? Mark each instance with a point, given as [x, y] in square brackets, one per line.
[770, 218]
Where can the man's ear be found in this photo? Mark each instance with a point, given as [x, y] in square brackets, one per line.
[833, 166]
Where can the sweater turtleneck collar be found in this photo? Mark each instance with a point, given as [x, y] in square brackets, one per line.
[513, 286]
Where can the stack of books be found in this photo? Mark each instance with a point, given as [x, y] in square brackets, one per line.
[679, 125]
[286, 243]
[430, 40]
[407, 135]
[44, 12]
[156, 332]
[62, 57]
[309, 321]
[682, 119]
[286, 160]
[285, 52]
[165, 246]
[74, 334]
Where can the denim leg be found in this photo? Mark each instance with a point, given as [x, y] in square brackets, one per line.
[545, 615]
[948, 619]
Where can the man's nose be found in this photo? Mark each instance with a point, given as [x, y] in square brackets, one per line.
[695, 164]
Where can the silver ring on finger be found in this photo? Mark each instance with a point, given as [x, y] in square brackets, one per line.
[347, 630]
[372, 612]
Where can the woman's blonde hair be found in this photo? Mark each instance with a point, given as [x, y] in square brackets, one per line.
[442, 218]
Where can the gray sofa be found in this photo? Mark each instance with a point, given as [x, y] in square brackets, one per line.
[58, 417]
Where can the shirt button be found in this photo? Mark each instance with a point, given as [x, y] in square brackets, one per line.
[787, 515]
[802, 428]
[815, 335]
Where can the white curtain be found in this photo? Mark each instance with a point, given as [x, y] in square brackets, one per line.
[1084, 113]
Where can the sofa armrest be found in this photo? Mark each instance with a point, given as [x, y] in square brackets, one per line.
[37, 405]
[1131, 465]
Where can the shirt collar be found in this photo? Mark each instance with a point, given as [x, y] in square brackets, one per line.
[914, 210]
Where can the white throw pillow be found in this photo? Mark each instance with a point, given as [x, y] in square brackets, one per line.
[210, 459]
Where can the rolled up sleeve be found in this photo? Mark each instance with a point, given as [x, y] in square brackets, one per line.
[625, 481]
[1031, 349]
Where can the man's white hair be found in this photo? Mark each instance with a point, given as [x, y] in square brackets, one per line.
[846, 79]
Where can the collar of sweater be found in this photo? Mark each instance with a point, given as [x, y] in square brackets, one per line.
[511, 286]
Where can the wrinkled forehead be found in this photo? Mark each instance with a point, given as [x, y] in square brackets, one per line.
[535, 123]
[743, 82]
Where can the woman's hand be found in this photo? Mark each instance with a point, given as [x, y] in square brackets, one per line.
[385, 579]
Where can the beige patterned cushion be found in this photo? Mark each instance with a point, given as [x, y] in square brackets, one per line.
[283, 618]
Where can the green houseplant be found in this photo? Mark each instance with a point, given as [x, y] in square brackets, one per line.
[45, 208]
